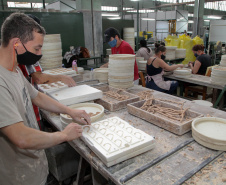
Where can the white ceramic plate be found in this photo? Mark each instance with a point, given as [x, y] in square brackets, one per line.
[210, 132]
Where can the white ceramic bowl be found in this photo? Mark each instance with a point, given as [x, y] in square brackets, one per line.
[88, 107]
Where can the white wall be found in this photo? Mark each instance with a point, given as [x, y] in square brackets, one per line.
[217, 31]
[62, 7]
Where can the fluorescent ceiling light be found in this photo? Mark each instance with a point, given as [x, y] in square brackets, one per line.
[108, 14]
[213, 17]
[109, 8]
[190, 15]
[134, 0]
[141, 11]
[190, 21]
[114, 18]
[125, 8]
[207, 20]
[148, 19]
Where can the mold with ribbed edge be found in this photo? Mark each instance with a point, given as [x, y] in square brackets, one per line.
[121, 70]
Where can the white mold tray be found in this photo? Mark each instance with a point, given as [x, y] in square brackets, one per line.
[60, 71]
[77, 94]
[113, 140]
[47, 88]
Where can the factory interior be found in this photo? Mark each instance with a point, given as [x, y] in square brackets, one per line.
[143, 81]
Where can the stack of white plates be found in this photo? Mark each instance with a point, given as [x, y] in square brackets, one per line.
[142, 65]
[101, 74]
[108, 51]
[170, 52]
[218, 75]
[128, 36]
[223, 61]
[180, 53]
[52, 52]
[182, 73]
[210, 132]
[121, 70]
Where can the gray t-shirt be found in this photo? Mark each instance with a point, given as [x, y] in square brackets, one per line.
[19, 166]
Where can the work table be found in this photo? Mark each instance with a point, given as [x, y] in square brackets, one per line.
[187, 155]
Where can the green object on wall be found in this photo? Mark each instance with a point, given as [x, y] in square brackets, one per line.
[68, 25]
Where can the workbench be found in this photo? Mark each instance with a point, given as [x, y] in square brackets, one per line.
[199, 80]
[173, 160]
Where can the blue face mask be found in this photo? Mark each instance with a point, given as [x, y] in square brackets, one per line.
[196, 55]
[112, 43]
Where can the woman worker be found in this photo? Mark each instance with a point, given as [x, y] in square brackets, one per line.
[202, 62]
[155, 69]
[144, 51]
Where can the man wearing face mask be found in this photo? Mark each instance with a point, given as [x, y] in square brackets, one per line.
[155, 68]
[33, 73]
[202, 62]
[22, 143]
[119, 46]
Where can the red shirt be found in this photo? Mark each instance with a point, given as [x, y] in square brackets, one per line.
[125, 48]
[27, 71]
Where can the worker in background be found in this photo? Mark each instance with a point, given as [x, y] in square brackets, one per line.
[202, 62]
[119, 46]
[34, 75]
[155, 69]
[144, 51]
[23, 160]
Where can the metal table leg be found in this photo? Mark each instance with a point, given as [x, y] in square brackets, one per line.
[219, 97]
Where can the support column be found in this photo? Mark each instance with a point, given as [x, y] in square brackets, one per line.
[198, 18]
[92, 22]
[138, 19]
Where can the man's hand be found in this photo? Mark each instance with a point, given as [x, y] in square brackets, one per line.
[72, 131]
[80, 116]
[67, 80]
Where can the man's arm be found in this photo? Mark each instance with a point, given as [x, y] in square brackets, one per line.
[41, 78]
[45, 102]
[28, 138]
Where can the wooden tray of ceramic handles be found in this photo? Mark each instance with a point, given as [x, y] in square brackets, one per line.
[210, 132]
[90, 108]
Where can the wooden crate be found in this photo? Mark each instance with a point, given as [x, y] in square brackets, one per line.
[171, 125]
[112, 104]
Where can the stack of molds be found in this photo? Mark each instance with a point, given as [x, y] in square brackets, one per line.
[128, 36]
[101, 74]
[77, 94]
[170, 52]
[121, 70]
[52, 87]
[210, 132]
[180, 53]
[182, 73]
[138, 59]
[52, 52]
[223, 61]
[108, 51]
[218, 75]
[113, 140]
[142, 65]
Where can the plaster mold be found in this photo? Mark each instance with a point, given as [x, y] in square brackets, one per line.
[115, 140]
